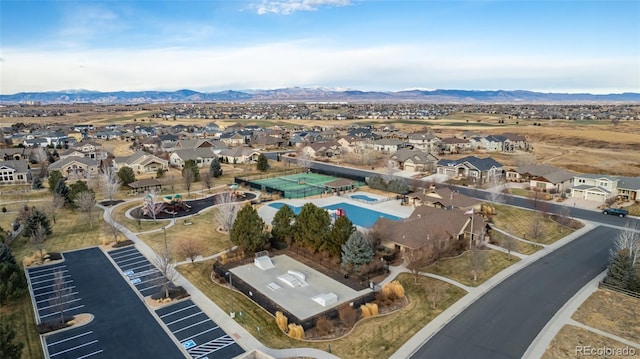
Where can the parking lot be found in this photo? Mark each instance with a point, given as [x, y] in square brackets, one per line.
[122, 325]
[198, 334]
[140, 271]
[52, 297]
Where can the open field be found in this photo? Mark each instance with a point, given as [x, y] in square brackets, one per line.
[118, 214]
[529, 225]
[518, 246]
[459, 268]
[613, 313]
[563, 346]
[372, 338]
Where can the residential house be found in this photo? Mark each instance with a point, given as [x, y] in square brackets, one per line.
[141, 162]
[593, 187]
[515, 142]
[350, 144]
[265, 142]
[321, 149]
[629, 188]
[191, 144]
[233, 139]
[15, 154]
[389, 145]
[239, 155]
[424, 141]
[413, 160]
[75, 167]
[203, 156]
[443, 198]
[35, 142]
[543, 178]
[90, 149]
[14, 172]
[108, 135]
[479, 170]
[429, 231]
[454, 145]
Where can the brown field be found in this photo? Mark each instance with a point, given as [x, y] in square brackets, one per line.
[565, 343]
[613, 313]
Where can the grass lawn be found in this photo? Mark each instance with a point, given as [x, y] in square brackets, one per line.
[202, 230]
[611, 312]
[519, 246]
[519, 192]
[520, 222]
[634, 209]
[19, 314]
[70, 232]
[459, 268]
[372, 338]
[569, 337]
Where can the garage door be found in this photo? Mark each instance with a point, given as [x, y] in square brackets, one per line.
[594, 196]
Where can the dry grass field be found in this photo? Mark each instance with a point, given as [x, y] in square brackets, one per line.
[613, 313]
[563, 346]
[459, 268]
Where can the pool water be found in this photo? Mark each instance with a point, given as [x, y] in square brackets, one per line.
[364, 198]
[362, 217]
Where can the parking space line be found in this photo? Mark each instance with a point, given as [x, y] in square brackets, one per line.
[74, 348]
[147, 288]
[44, 269]
[46, 280]
[53, 291]
[193, 325]
[202, 332]
[64, 284]
[48, 299]
[66, 310]
[183, 318]
[90, 354]
[210, 347]
[117, 256]
[138, 258]
[176, 311]
[155, 279]
[48, 274]
[50, 306]
[71, 338]
[135, 268]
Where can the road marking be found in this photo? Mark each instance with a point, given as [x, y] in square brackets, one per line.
[131, 253]
[193, 325]
[183, 318]
[74, 348]
[38, 270]
[66, 310]
[147, 288]
[46, 280]
[90, 354]
[48, 299]
[154, 279]
[50, 306]
[188, 344]
[54, 284]
[122, 265]
[71, 338]
[149, 265]
[53, 291]
[48, 274]
[202, 332]
[176, 311]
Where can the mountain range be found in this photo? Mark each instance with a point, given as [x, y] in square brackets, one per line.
[300, 94]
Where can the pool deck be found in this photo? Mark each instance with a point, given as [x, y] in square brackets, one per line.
[391, 207]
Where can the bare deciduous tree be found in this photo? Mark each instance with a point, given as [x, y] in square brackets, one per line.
[57, 202]
[151, 206]
[111, 182]
[62, 295]
[536, 226]
[226, 211]
[415, 261]
[168, 271]
[435, 291]
[190, 248]
[86, 201]
[477, 262]
[564, 217]
[114, 229]
[207, 180]
[628, 239]
[41, 156]
[304, 160]
[38, 238]
[389, 169]
[188, 177]
[509, 243]
[496, 190]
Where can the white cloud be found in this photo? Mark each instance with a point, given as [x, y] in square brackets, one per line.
[311, 63]
[287, 7]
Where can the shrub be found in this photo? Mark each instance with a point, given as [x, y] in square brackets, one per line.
[281, 320]
[373, 309]
[365, 311]
[398, 289]
[377, 182]
[126, 242]
[47, 327]
[347, 314]
[398, 186]
[296, 331]
[324, 326]
[4, 209]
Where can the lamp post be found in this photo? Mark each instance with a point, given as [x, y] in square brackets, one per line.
[166, 249]
[232, 314]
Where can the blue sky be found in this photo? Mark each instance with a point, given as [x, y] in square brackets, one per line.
[551, 46]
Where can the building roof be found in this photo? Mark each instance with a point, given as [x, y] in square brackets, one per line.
[586, 187]
[20, 166]
[481, 164]
[194, 153]
[58, 165]
[147, 182]
[632, 183]
[550, 173]
[416, 156]
[596, 176]
[446, 197]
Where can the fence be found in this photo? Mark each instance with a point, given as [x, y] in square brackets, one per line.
[619, 290]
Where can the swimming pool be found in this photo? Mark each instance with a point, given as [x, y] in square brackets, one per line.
[364, 198]
[360, 216]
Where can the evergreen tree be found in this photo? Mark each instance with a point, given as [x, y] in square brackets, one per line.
[36, 217]
[247, 230]
[282, 224]
[357, 251]
[54, 177]
[340, 232]
[8, 347]
[159, 173]
[63, 191]
[191, 165]
[215, 168]
[312, 226]
[78, 187]
[620, 271]
[126, 175]
[12, 281]
[263, 164]
[36, 183]
[398, 185]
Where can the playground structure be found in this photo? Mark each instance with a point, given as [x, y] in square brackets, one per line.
[175, 203]
[169, 205]
[335, 213]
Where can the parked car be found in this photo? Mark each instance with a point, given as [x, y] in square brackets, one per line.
[616, 212]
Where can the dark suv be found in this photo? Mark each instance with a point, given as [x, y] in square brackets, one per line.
[616, 212]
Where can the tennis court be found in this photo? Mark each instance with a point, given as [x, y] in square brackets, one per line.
[300, 185]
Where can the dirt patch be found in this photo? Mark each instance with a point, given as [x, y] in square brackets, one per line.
[613, 313]
[570, 340]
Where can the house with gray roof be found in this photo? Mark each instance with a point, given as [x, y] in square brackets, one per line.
[203, 156]
[479, 170]
[15, 172]
[15, 154]
[543, 177]
[413, 160]
[73, 167]
[594, 187]
[141, 162]
[389, 145]
[629, 188]
[239, 155]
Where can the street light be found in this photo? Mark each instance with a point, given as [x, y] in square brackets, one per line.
[166, 249]
[232, 314]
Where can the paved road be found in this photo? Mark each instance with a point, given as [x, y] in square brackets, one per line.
[504, 322]
[122, 326]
